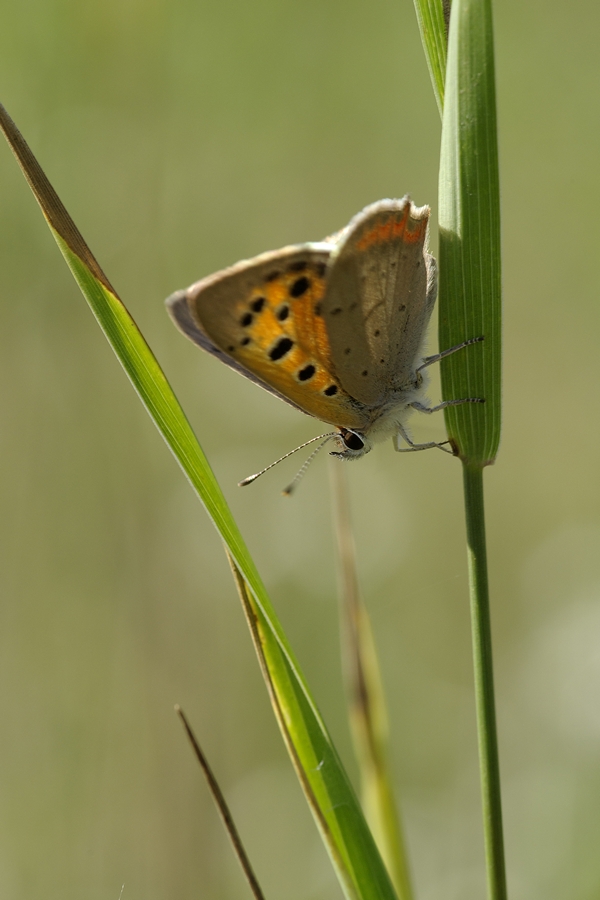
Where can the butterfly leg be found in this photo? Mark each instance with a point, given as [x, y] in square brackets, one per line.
[428, 409]
[412, 446]
[431, 409]
[429, 360]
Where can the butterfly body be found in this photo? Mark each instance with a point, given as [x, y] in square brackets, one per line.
[334, 328]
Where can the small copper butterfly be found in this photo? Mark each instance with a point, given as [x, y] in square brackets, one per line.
[334, 328]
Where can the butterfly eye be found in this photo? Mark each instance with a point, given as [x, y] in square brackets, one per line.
[352, 440]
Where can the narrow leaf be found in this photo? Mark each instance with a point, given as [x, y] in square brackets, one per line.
[350, 844]
[469, 256]
[223, 809]
[432, 16]
[326, 786]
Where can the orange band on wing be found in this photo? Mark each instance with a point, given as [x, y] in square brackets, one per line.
[388, 231]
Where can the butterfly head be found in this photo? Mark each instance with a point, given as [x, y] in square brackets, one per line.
[351, 444]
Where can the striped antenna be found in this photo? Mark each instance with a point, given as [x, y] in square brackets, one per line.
[319, 437]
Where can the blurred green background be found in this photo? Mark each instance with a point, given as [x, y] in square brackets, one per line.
[183, 136]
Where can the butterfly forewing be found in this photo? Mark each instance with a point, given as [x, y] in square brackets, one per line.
[378, 300]
[263, 317]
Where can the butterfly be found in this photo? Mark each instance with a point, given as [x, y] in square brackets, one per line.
[334, 328]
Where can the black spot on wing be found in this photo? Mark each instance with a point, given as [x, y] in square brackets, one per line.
[306, 373]
[246, 320]
[299, 266]
[331, 391]
[258, 304]
[299, 287]
[281, 348]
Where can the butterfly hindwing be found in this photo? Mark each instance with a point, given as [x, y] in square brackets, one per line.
[379, 297]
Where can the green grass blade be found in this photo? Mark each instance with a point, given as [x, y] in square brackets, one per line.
[432, 19]
[470, 306]
[351, 845]
[469, 256]
[366, 699]
[349, 841]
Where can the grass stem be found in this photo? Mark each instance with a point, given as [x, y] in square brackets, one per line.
[484, 682]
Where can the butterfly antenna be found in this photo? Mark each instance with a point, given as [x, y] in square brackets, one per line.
[319, 437]
[288, 490]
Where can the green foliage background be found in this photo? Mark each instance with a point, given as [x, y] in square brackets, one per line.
[181, 137]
